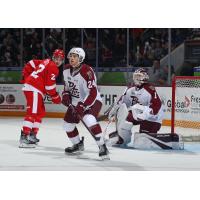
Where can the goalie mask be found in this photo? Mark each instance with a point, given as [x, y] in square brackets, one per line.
[140, 77]
[78, 51]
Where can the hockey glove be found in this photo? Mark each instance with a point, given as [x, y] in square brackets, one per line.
[66, 98]
[80, 108]
[141, 112]
[56, 98]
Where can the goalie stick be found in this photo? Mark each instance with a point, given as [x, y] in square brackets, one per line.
[106, 113]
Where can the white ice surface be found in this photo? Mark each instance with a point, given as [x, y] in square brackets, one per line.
[49, 155]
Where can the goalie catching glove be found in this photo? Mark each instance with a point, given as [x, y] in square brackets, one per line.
[141, 112]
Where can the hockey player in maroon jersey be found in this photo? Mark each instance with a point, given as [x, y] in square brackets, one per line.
[83, 100]
[140, 105]
[39, 78]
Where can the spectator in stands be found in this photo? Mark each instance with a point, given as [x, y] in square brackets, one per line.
[163, 80]
[90, 48]
[119, 49]
[154, 72]
[107, 57]
[158, 52]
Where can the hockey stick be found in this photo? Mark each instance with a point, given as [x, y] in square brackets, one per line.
[102, 117]
[80, 118]
[106, 113]
[105, 130]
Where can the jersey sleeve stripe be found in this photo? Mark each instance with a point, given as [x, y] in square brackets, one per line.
[50, 87]
[32, 64]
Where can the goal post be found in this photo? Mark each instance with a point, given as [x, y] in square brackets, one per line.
[185, 113]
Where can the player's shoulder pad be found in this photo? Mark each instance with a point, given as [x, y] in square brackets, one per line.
[67, 66]
[87, 72]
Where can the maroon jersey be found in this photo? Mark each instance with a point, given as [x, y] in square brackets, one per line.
[81, 84]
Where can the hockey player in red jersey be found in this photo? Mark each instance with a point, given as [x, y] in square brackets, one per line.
[140, 105]
[83, 100]
[39, 78]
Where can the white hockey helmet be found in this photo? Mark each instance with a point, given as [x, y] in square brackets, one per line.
[140, 76]
[79, 51]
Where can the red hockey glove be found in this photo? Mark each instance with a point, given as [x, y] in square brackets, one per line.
[80, 108]
[56, 98]
[66, 98]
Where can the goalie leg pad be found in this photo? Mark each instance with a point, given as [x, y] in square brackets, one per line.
[160, 141]
[122, 114]
[124, 131]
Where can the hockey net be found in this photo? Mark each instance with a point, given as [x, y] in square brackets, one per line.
[186, 105]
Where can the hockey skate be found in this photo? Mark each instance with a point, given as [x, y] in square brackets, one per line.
[76, 148]
[115, 140]
[103, 152]
[32, 137]
[24, 141]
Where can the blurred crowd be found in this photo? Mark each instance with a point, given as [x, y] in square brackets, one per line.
[145, 45]
[10, 47]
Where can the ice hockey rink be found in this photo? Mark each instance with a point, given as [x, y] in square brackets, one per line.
[49, 154]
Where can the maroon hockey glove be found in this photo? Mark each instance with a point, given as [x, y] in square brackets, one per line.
[56, 98]
[80, 108]
[66, 98]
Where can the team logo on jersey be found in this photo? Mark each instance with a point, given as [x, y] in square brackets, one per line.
[73, 90]
[134, 100]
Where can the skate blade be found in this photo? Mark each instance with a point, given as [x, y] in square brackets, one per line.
[78, 153]
[27, 145]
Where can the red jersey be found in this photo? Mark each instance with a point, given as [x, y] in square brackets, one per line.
[40, 75]
[29, 68]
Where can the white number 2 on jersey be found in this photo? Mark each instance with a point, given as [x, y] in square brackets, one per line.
[41, 68]
[53, 77]
[90, 84]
